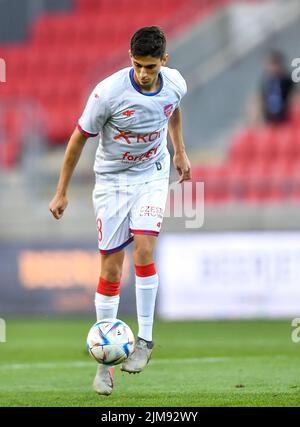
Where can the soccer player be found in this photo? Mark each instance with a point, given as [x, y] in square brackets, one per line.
[132, 110]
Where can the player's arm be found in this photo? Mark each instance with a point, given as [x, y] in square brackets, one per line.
[180, 159]
[73, 151]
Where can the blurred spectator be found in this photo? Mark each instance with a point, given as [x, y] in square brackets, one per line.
[277, 87]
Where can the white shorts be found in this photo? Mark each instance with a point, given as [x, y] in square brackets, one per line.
[125, 210]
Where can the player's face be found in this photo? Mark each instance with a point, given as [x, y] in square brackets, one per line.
[146, 69]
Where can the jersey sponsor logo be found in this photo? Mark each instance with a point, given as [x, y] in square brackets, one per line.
[144, 156]
[154, 211]
[124, 134]
[128, 113]
[130, 137]
[168, 110]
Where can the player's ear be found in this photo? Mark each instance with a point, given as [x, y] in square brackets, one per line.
[165, 59]
[129, 53]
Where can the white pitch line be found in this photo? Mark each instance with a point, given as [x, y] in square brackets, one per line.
[77, 364]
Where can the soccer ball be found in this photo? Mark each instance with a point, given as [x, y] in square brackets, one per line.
[110, 341]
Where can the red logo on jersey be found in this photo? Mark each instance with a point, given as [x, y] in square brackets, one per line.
[128, 113]
[129, 136]
[144, 156]
[124, 134]
[168, 110]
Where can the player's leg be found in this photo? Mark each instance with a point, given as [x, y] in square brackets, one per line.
[108, 291]
[107, 302]
[113, 228]
[146, 285]
[145, 222]
[113, 235]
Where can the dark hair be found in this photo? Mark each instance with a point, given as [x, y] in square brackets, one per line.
[148, 41]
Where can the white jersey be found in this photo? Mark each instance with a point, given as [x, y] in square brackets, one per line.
[132, 125]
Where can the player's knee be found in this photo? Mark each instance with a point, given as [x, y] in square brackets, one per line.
[111, 272]
[111, 266]
[143, 255]
[112, 275]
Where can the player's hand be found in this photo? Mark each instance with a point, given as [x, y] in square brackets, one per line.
[183, 166]
[57, 205]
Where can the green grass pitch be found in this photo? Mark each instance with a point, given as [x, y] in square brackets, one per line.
[207, 363]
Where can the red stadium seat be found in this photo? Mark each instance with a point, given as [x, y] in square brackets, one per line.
[216, 184]
[263, 167]
[89, 5]
[242, 146]
[294, 113]
[288, 143]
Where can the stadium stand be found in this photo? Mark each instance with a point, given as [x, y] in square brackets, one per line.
[63, 56]
[211, 111]
[67, 50]
[262, 165]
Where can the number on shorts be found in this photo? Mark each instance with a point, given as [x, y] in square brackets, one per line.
[99, 227]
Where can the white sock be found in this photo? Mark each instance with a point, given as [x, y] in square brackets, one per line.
[146, 290]
[106, 306]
